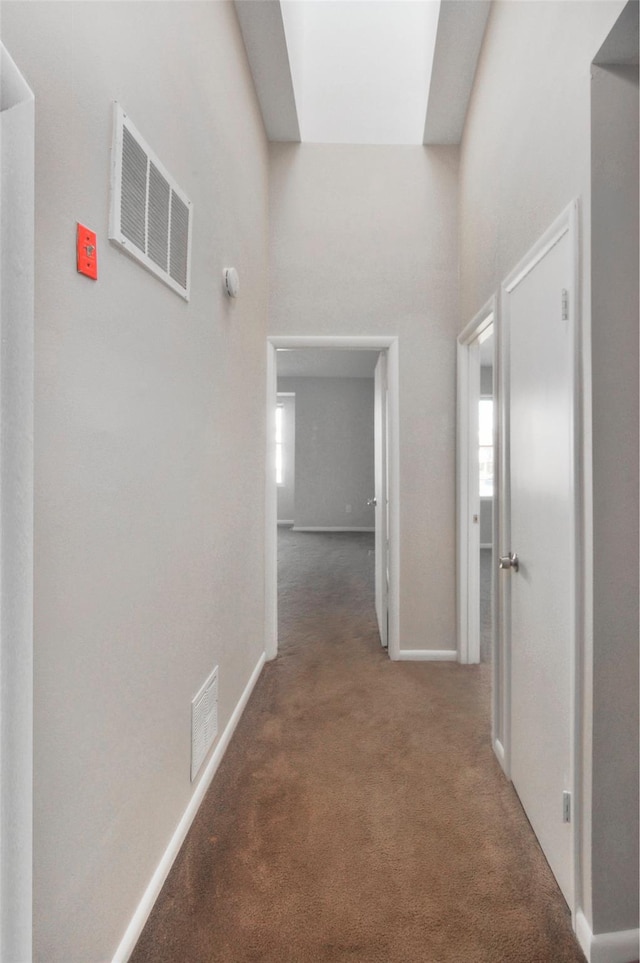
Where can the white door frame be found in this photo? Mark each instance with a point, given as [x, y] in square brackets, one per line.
[17, 165]
[363, 343]
[468, 381]
[566, 223]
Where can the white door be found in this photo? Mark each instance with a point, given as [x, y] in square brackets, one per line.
[381, 498]
[539, 340]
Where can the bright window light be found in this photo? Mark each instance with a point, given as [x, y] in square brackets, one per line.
[361, 71]
[279, 444]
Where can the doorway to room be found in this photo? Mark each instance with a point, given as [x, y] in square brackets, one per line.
[476, 489]
[337, 484]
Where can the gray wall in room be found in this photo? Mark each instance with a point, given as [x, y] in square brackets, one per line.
[486, 380]
[531, 106]
[364, 242]
[149, 462]
[334, 451]
[486, 521]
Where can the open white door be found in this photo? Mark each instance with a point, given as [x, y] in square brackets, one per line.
[539, 342]
[381, 499]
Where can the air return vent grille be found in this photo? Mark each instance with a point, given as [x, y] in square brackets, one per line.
[204, 722]
[150, 215]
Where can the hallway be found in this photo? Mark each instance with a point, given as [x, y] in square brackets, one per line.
[359, 813]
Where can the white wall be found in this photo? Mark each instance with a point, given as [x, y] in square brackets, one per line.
[17, 158]
[334, 451]
[364, 242]
[525, 155]
[149, 463]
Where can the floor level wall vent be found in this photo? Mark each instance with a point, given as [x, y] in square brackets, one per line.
[204, 722]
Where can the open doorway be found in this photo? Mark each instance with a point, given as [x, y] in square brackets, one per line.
[327, 495]
[477, 503]
[476, 488]
[486, 489]
[339, 398]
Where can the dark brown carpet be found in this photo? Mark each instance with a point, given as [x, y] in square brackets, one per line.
[359, 813]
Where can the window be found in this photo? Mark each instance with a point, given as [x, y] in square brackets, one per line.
[485, 446]
[279, 443]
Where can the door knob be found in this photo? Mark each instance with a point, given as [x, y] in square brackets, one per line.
[509, 561]
[372, 501]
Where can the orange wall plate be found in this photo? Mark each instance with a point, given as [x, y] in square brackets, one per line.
[87, 252]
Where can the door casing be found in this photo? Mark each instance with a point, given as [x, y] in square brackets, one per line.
[388, 344]
[468, 588]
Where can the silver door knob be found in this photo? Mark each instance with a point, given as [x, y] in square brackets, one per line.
[509, 561]
[372, 501]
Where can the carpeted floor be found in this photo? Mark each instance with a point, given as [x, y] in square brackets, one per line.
[359, 813]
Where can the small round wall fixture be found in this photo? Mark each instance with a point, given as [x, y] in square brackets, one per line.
[231, 282]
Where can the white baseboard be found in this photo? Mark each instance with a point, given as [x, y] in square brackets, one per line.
[285, 521]
[427, 655]
[622, 946]
[498, 748]
[332, 528]
[486, 545]
[132, 934]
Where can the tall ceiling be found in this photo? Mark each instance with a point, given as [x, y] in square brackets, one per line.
[363, 71]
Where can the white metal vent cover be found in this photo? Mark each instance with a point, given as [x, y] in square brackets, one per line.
[150, 215]
[204, 722]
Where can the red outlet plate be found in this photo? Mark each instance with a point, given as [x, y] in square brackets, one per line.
[87, 252]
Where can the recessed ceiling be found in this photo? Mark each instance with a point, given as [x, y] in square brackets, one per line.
[363, 71]
[361, 68]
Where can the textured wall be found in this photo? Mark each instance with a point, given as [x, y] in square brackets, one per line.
[364, 242]
[525, 156]
[287, 490]
[149, 463]
[334, 451]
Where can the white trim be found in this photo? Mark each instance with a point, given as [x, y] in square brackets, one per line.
[540, 250]
[427, 655]
[622, 946]
[468, 499]
[282, 522]
[498, 748]
[566, 223]
[331, 528]
[388, 343]
[152, 891]
[355, 342]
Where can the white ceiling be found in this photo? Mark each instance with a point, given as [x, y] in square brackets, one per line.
[326, 363]
[361, 68]
[312, 81]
